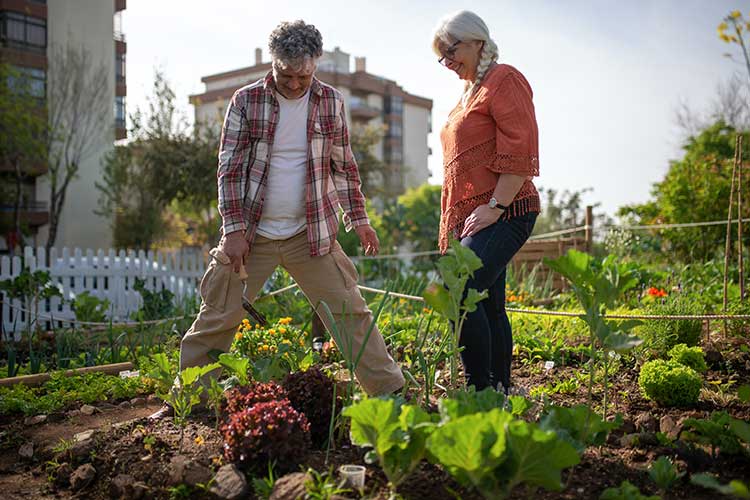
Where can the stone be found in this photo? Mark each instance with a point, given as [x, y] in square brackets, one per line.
[290, 486]
[229, 483]
[82, 477]
[36, 420]
[138, 401]
[26, 451]
[84, 436]
[153, 399]
[62, 474]
[122, 486]
[629, 441]
[88, 410]
[125, 405]
[184, 470]
[73, 413]
[645, 422]
[628, 426]
[668, 426]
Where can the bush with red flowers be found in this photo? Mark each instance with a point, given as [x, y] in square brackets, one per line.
[311, 393]
[266, 432]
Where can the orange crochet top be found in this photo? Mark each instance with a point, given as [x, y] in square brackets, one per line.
[496, 133]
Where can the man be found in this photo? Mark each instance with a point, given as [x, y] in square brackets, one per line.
[285, 167]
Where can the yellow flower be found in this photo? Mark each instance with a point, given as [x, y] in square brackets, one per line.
[238, 336]
[724, 37]
[426, 310]
[272, 332]
[722, 27]
[246, 322]
[287, 342]
[282, 330]
[199, 440]
[257, 326]
[736, 14]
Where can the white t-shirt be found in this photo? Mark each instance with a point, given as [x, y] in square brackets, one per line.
[284, 204]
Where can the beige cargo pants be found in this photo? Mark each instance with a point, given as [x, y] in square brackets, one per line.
[330, 278]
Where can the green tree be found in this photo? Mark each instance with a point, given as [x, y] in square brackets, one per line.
[695, 189]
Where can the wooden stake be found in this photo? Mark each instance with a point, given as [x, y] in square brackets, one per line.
[727, 246]
[739, 218]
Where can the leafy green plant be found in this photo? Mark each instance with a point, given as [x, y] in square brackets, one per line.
[721, 431]
[323, 486]
[396, 433]
[664, 473]
[156, 304]
[669, 383]
[469, 402]
[626, 491]
[238, 366]
[689, 356]
[185, 394]
[495, 453]
[663, 335]
[162, 370]
[735, 488]
[743, 393]
[263, 486]
[597, 286]
[451, 299]
[90, 308]
[215, 393]
[578, 425]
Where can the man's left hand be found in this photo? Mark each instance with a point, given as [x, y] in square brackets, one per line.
[369, 239]
[483, 216]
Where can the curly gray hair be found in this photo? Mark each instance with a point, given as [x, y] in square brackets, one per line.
[295, 43]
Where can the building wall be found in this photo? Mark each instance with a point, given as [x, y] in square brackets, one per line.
[416, 128]
[86, 23]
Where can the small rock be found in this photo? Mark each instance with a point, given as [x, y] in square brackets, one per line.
[629, 440]
[184, 470]
[645, 422]
[84, 436]
[82, 477]
[88, 410]
[62, 474]
[73, 413]
[648, 439]
[138, 401]
[26, 451]
[668, 426]
[153, 399]
[290, 486]
[121, 486]
[103, 405]
[125, 405]
[36, 420]
[140, 490]
[229, 483]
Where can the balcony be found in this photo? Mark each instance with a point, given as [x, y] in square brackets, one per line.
[359, 108]
[33, 213]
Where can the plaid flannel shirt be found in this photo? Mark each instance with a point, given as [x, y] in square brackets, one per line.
[332, 177]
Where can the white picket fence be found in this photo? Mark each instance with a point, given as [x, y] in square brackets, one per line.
[106, 275]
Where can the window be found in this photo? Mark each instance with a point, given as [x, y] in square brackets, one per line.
[31, 80]
[120, 68]
[394, 105]
[120, 112]
[22, 31]
[395, 128]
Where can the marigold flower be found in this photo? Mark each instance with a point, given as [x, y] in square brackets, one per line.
[722, 27]
[272, 332]
[238, 336]
[199, 440]
[282, 330]
[736, 14]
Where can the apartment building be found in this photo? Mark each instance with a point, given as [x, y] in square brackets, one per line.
[370, 100]
[32, 33]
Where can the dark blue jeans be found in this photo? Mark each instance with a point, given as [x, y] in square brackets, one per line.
[486, 335]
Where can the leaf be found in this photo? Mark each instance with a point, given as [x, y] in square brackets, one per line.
[620, 342]
[735, 487]
[473, 298]
[370, 418]
[741, 429]
[471, 447]
[236, 365]
[519, 405]
[579, 425]
[436, 296]
[469, 402]
[535, 456]
[743, 392]
[663, 473]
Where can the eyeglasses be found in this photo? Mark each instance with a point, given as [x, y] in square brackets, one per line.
[449, 53]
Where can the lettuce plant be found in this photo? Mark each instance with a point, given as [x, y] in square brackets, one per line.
[664, 473]
[243, 397]
[626, 491]
[689, 356]
[721, 431]
[669, 383]
[312, 392]
[578, 425]
[396, 432]
[265, 432]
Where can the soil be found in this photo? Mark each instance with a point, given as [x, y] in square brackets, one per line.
[122, 448]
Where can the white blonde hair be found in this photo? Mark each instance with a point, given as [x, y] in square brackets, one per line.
[466, 26]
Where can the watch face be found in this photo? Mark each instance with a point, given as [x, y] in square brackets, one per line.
[493, 203]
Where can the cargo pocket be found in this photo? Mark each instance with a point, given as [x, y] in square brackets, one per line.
[215, 283]
[345, 266]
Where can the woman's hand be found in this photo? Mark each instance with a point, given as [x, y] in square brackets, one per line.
[483, 216]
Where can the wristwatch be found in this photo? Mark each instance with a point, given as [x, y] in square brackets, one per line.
[495, 204]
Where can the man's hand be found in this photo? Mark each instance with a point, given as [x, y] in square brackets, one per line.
[483, 216]
[369, 239]
[236, 247]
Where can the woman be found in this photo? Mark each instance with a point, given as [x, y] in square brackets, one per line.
[490, 154]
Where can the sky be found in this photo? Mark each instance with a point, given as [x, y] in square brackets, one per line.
[607, 75]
